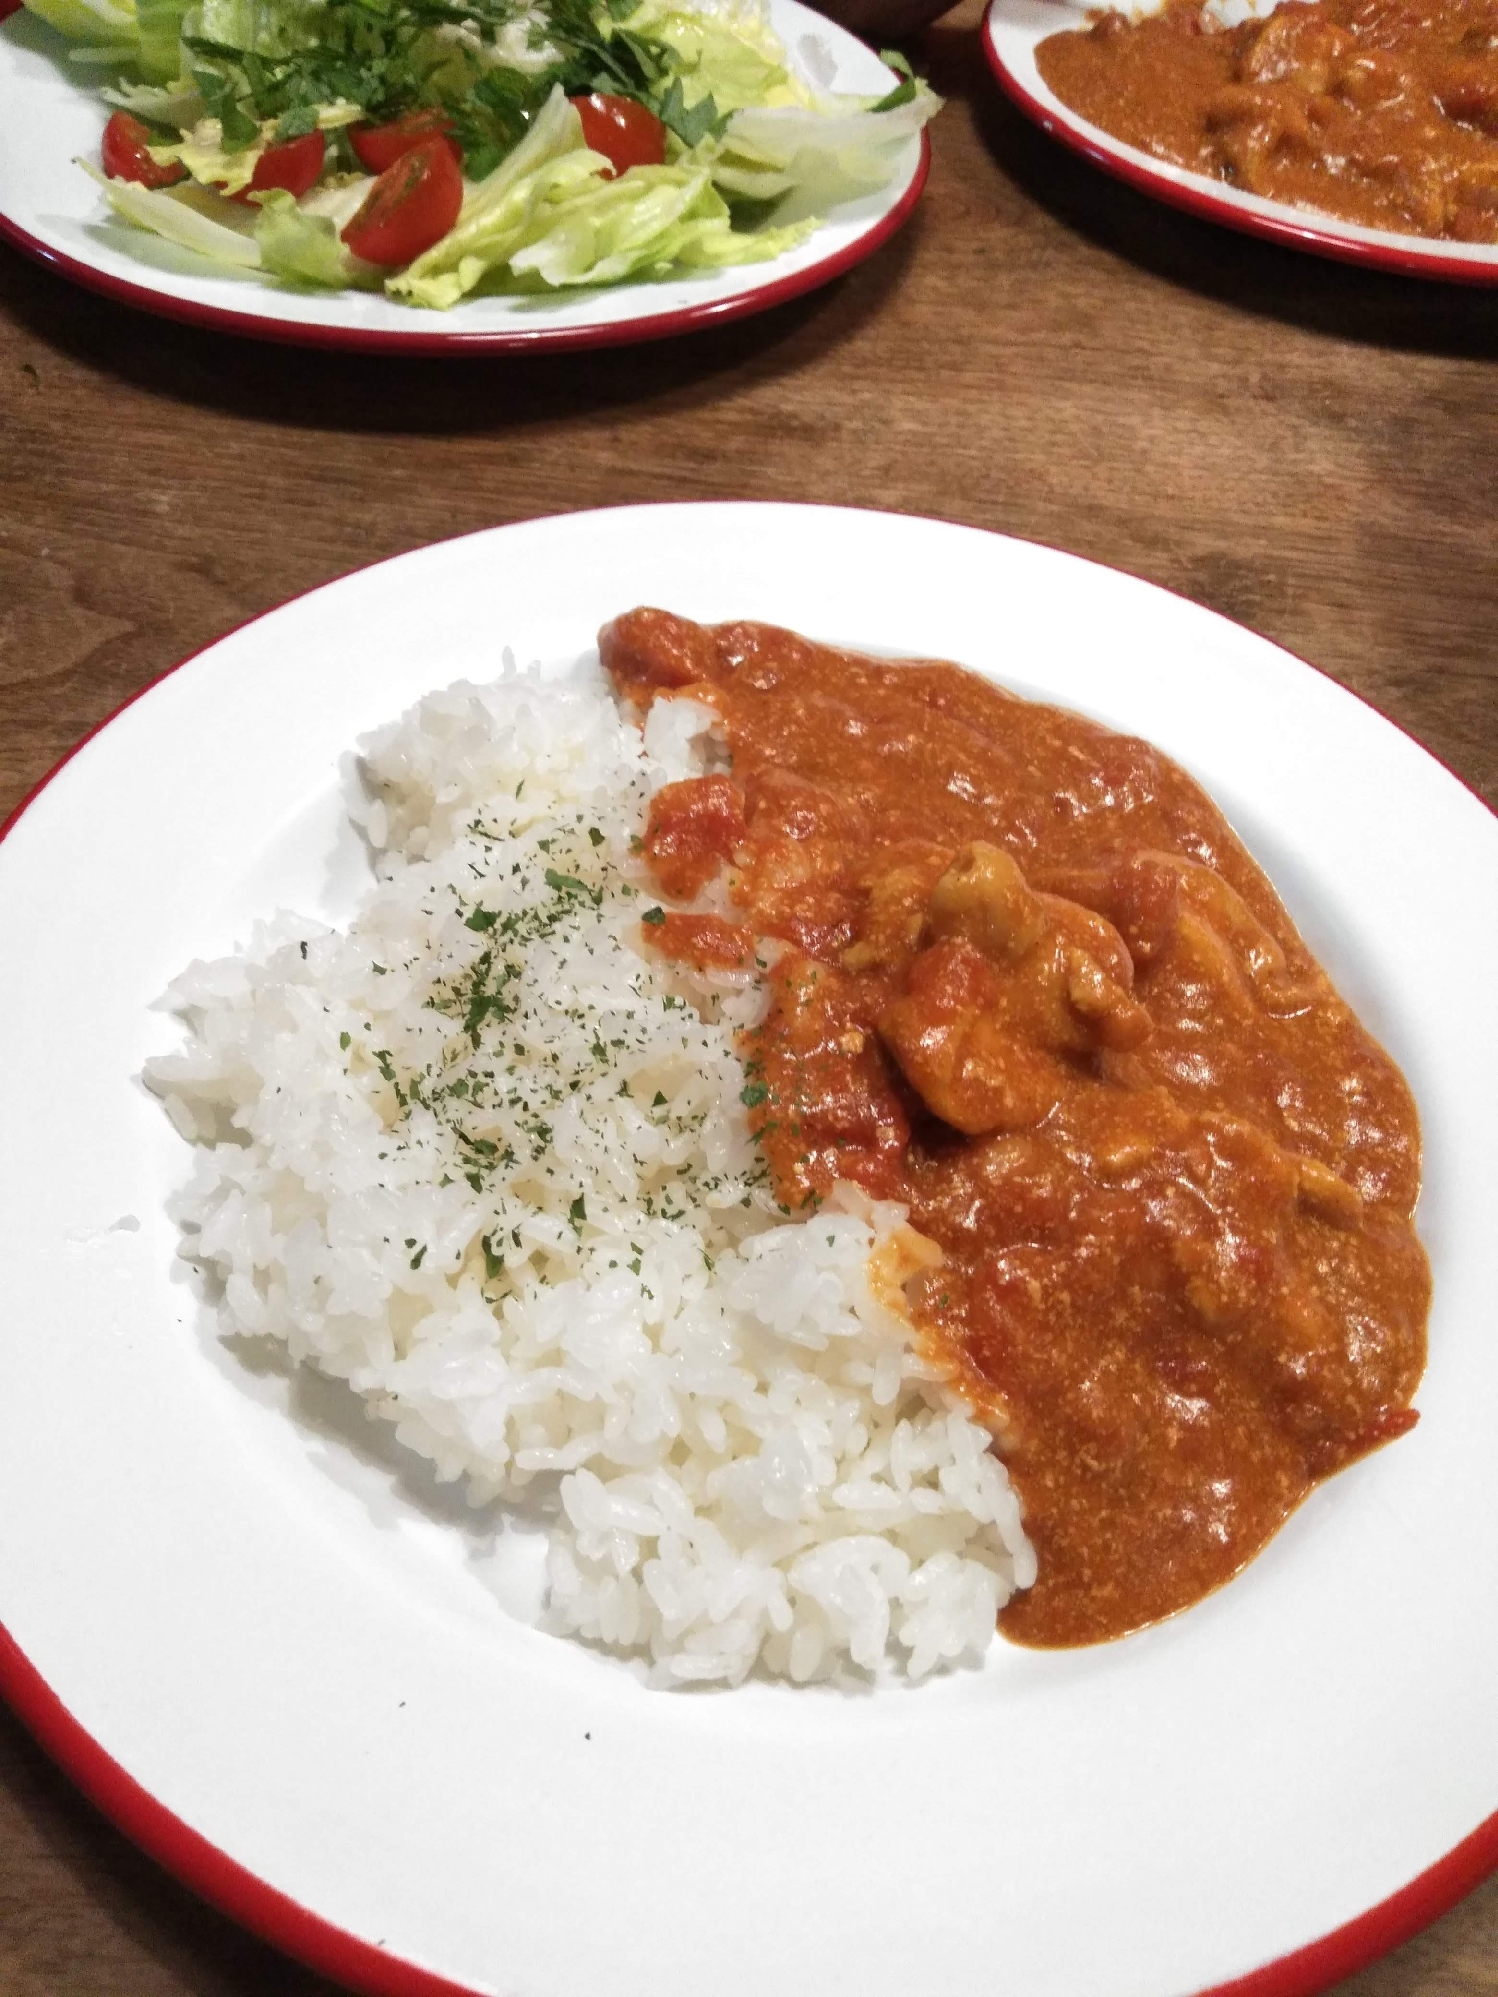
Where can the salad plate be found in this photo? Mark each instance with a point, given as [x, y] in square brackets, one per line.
[271, 1648]
[1014, 29]
[52, 210]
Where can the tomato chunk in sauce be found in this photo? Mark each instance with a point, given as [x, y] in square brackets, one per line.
[1029, 982]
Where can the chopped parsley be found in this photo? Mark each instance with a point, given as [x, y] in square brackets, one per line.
[397, 56]
[536, 1015]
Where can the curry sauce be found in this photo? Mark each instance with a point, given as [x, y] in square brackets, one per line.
[1383, 112]
[1031, 984]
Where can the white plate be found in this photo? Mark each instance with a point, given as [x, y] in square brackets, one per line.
[259, 1640]
[53, 211]
[1013, 29]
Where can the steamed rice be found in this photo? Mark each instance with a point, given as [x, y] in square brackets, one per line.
[486, 1161]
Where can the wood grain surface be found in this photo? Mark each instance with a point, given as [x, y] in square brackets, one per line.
[1306, 447]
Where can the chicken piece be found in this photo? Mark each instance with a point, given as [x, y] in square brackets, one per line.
[1140, 895]
[1251, 124]
[1467, 91]
[1216, 922]
[1296, 46]
[946, 1033]
[892, 921]
[1073, 970]
[984, 897]
[1013, 989]
[799, 889]
[1374, 80]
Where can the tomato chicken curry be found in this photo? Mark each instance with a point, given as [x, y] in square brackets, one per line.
[1029, 983]
[1383, 112]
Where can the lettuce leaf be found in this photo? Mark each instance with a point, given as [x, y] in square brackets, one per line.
[99, 23]
[563, 226]
[179, 215]
[729, 53]
[145, 31]
[546, 218]
[305, 248]
[819, 154]
[160, 22]
[294, 243]
[265, 27]
[497, 215]
[226, 169]
[641, 225]
[176, 104]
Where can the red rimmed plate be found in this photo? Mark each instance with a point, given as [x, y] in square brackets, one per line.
[1013, 30]
[264, 1645]
[51, 210]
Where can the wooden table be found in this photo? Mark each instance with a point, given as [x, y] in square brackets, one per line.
[1307, 448]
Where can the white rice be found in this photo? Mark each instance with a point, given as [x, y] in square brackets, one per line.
[484, 1160]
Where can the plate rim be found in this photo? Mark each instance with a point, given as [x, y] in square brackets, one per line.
[1289, 228]
[465, 345]
[319, 1943]
[455, 342]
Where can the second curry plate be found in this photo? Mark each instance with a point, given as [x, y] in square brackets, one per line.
[1014, 29]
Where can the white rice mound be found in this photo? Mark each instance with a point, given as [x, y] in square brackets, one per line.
[486, 1160]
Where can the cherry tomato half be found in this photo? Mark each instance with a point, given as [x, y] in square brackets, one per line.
[294, 165]
[126, 155]
[378, 147]
[626, 133]
[412, 205]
